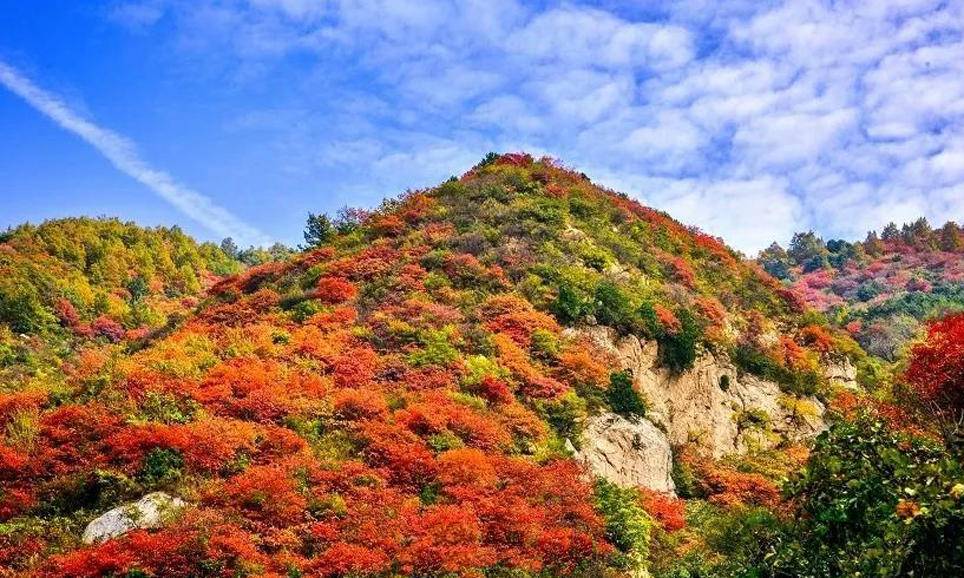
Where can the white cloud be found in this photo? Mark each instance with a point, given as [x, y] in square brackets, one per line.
[122, 153]
[751, 119]
[585, 37]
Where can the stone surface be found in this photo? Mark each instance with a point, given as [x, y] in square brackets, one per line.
[712, 404]
[628, 452]
[842, 372]
[151, 511]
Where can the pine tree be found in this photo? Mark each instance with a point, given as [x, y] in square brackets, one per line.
[318, 230]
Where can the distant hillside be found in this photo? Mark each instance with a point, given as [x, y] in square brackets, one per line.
[71, 281]
[880, 289]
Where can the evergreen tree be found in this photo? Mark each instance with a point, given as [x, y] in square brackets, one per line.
[230, 248]
[318, 230]
[890, 232]
[805, 247]
[951, 238]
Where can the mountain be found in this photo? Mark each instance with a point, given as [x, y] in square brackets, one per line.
[880, 289]
[514, 373]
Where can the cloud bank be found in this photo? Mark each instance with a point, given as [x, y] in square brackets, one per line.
[122, 153]
[750, 119]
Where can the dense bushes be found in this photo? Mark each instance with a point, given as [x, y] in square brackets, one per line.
[876, 502]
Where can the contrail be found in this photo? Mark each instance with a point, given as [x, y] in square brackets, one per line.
[122, 153]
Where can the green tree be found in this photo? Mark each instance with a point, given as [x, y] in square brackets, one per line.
[230, 248]
[623, 397]
[318, 230]
[875, 501]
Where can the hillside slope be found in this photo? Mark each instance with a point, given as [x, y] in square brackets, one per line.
[406, 398]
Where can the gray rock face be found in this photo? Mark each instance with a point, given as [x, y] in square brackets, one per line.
[151, 511]
[711, 404]
[627, 452]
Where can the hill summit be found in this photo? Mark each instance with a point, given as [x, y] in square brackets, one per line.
[514, 373]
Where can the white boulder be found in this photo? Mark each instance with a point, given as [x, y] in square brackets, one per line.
[151, 511]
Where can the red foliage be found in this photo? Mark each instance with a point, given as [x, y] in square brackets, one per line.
[258, 390]
[533, 382]
[66, 313]
[344, 559]
[515, 159]
[174, 552]
[334, 290]
[355, 368]
[849, 405]
[445, 539]
[267, 494]
[683, 273]
[107, 328]
[936, 368]
[356, 404]
[728, 487]
[670, 512]
[494, 390]
[399, 453]
[516, 318]
[388, 225]
[667, 319]
[816, 338]
[437, 414]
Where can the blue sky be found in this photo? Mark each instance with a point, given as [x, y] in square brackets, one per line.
[748, 119]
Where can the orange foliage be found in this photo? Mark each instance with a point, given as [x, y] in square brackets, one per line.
[334, 290]
[534, 383]
[683, 273]
[268, 494]
[356, 404]
[816, 338]
[581, 363]
[728, 487]
[667, 319]
[516, 318]
[670, 512]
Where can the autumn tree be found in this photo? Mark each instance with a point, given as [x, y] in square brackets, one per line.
[936, 372]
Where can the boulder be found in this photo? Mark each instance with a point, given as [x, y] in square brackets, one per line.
[151, 511]
[627, 452]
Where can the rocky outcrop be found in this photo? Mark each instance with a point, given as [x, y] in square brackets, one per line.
[151, 511]
[712, 404]
[628, 452]
[842, 372]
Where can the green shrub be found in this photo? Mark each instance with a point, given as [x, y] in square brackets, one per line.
[755, 362]
[678, 350]
[22, 308]
[161, 466]
[569, 306]
[437, 348]
[613, 308]
[623, 397]
[628, 526]
[565, 414]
